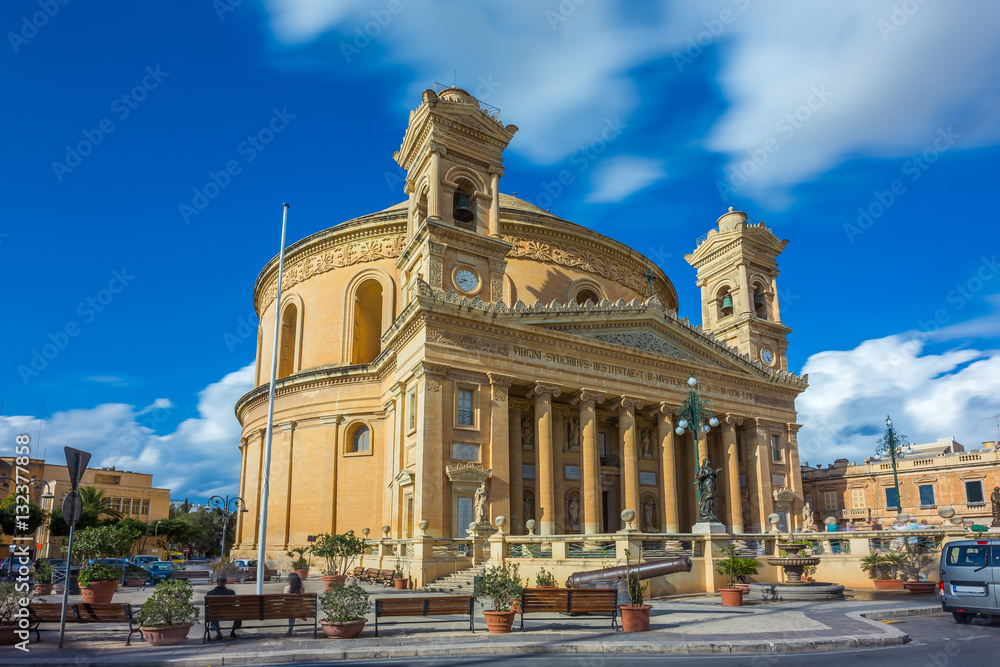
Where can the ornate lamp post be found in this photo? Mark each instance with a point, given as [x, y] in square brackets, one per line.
[227, 506]
[893, 445]
[695, 416]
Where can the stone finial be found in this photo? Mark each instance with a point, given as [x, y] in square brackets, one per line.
[423, 527]
[385, 530]
[500, 522]
[365, 532]
[530, 525]
[628, 516]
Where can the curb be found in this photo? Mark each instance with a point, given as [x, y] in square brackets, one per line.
[879, 614]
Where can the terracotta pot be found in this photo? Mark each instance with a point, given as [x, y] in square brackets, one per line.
[303, 573]
[807, 580]
[43, 589]
[135, 582]
[499, 621]
[343, 630]
[97, 592]
[921, 586]
[888, 584]
[635, 619]
[7, 636]
[731, 597]
[166, 636]
[401, 584]
[333, 580]
[745, 588]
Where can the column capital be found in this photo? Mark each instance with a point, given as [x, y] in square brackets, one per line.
[431, 369]
[592, 396]
[627, 403]
[436, 148]
[500, 380]
[543, 391]
[793, 428]
[519, 404]
[663, 409]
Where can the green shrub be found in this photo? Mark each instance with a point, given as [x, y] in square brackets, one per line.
[346, 603]
[43, 573]
[501, 584]
[300, 562]
[170, 604]
[10, 602]
[545, 578]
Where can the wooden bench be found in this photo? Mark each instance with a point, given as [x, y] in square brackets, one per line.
[571, 601]
[370, 575]
[384, 577]
[79, 612]
[191, 574]
[357, 573]
[268, 607]
[433, 606]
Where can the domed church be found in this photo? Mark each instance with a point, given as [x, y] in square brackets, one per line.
[466, 355]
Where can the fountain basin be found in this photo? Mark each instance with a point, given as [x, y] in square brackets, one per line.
[815, 591]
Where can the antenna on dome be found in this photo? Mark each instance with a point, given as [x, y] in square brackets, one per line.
[454, 80]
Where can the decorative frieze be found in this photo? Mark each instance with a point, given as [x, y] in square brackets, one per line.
[468, 342]
[642, 340]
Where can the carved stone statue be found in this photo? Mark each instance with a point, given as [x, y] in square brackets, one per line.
[648, 510]
[995, 501]
[574, 513]
[527, 433]
[526, 508]
[647, 445]
[482, 495]
[706, 491]
[807, 516]
[573, 437]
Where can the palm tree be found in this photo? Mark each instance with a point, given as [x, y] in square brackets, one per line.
[94, 501]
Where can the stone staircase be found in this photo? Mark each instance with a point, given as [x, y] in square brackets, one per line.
[462, 582]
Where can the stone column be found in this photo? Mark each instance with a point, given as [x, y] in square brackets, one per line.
[495, 202]
[795, 476]
[775, 308]
[500, 446]
[390, 459]
[434, 194]
[762, 470]
[543, 394]
[243, 447]
[328, 472]
[729, 424]
[516, 523]
[280, 495]
[431, 498]
[628, 439]
[590, 459]
[746, 297]
[706, 307]
[668, 466]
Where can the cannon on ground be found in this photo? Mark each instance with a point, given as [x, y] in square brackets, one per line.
[615, 575]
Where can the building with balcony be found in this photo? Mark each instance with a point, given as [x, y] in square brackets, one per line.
[468, 340]
[935, 474]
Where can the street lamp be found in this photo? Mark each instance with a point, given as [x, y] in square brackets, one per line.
[227, 506]
[893, 445]
[695, 416]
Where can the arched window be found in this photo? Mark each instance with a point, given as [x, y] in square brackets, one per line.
[585, 295]
[724, 303]
[463, 209]
[760, 301]
[360, 439]
[288, 340]
[367, 332]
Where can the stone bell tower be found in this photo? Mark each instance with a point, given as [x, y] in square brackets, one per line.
[452, 155]
[737, 267]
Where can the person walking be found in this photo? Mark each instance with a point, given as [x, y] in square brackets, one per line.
[220, 589]
[294, 587]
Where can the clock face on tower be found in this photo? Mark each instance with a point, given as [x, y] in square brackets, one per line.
[767, 356]
[466, 280]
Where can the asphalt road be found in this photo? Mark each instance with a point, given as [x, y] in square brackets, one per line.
[935, 641]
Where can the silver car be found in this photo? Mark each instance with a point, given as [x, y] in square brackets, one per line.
[970, 578]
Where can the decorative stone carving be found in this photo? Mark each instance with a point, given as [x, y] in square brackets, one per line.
[528, 507]
[573, 434]
[643, 340]
[649, 515]
[646, 444]
[573, 512]
[436, 276]
[468, 473]
[499, 386]
[480, 499]
[468, 342]
[528, 432]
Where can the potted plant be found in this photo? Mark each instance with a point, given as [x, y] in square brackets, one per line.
[98, 547]
[10, 605]
[807, 573]
[300, 564]
[545, 579]
[727, 567]
[168, 614]
[918, 561]
[635, 614]
[743, 568]
[502, 585]
[43, 579]
[400, 580]
[880, 568]
[135, 575]
[338, 551]
[345, 607]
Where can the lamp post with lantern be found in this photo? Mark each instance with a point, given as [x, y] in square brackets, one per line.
[227, 506]
[893, 445]
[695, 416]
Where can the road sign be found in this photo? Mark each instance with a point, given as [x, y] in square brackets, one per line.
[72, 507]
[76, 462]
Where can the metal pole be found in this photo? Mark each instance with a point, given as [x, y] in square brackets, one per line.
[265, 480]
[65, 600]
[225, 524]
[895, 477]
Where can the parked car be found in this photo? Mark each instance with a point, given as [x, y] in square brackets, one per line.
[143, 561]
[57, 564]
[5, 567]
[246, 569]
[159, 570]
[970, 576]
[177, 557]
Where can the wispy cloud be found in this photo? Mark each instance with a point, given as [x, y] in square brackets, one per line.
[617, 178]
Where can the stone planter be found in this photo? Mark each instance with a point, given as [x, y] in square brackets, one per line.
[499, 621]
[888, 584]
[43, 589]
[635, 619]
[333, 580]
[303, 573]
[401, 584]
[98, 592]
[166, 636]
[343, 630]
[731, 597]
[921, 586]
[7, 636]
[135, 582]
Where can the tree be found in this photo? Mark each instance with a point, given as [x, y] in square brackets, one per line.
[94, 501]
[174, 533]
[36, 517]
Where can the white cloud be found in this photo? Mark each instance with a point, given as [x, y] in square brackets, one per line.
[617, 178]
[199, 459]
[561, 77]
[928, 396]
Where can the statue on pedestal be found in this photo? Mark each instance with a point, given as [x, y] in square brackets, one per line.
[647, 445]
[995, 501]
[482, 495]
[573, 439]
[527, 433]
[706, 492]
[574, 513]
[807, 517]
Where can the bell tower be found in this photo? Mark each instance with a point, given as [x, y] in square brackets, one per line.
[452, 156]
[737, 267]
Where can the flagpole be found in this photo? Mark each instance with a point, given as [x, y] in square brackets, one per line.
[262, 532]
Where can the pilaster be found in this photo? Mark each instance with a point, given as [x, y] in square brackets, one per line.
[543, 393]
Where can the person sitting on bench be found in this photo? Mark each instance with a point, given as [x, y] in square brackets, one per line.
[220, 589]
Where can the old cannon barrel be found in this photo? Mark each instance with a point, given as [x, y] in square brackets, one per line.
[644, 570]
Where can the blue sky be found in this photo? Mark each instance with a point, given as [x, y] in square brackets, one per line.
[865, 132]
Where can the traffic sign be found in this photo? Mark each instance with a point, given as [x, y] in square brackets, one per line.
[72, 507]
[76, 462]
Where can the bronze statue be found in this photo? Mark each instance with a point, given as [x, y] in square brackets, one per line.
[706, 492]
[995, 501]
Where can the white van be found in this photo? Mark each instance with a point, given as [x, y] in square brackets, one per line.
[970, 578]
